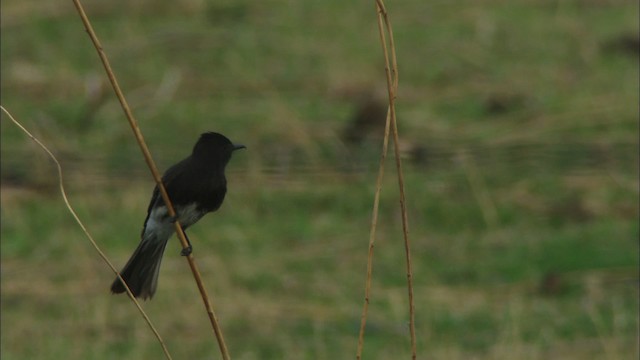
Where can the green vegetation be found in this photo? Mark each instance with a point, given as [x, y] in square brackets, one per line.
[519, 123]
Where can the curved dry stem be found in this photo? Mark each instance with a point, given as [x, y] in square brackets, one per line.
[156, 176]
[372, 237]
[86, 232]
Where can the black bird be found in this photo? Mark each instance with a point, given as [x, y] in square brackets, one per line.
[196, 186]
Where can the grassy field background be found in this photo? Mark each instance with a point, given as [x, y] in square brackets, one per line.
[519, 127]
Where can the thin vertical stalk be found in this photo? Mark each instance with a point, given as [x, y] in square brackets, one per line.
[156, 176]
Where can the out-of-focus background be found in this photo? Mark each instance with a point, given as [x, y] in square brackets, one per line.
[519, 133]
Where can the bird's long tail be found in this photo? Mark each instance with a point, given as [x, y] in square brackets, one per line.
[142, 269]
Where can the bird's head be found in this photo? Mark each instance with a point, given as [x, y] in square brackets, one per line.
[213, 145]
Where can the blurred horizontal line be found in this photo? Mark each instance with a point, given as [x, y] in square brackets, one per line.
[18, 167]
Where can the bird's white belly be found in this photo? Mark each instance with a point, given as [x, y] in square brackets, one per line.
[160, 225]
[189, 214]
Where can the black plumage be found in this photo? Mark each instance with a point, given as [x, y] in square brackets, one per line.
[196, 186]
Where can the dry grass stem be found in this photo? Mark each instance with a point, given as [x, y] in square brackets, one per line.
[156, 176]
[372, 237]
[86, 232]
[391, 71]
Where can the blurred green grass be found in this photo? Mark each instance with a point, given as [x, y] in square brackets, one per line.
[523, 220]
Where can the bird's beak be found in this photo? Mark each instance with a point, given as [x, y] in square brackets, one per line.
[238, 147]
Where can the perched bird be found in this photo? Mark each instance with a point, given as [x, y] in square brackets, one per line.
[196, 186]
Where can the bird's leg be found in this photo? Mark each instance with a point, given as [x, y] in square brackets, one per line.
[186, 251]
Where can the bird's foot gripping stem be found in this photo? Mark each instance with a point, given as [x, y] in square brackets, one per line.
[186, 251]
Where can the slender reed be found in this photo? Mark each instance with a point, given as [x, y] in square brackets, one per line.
[86, 232]
[392, 87]
[372, 237]
[391, 71]
[156, 175]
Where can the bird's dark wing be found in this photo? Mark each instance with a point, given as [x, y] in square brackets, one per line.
[168, 179]
[154, 198]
